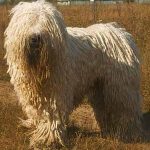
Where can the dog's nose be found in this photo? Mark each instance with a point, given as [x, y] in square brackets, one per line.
[35, 41]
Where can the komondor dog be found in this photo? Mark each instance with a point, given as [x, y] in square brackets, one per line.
[52, 68]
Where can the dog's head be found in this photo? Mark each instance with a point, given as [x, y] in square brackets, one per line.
[35, 36]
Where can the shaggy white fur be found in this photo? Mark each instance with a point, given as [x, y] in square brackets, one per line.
[53, 67]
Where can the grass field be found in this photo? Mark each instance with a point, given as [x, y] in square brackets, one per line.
[136, 19]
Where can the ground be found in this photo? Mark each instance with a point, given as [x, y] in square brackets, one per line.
[83, 135]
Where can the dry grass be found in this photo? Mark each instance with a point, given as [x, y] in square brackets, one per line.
[136, 19]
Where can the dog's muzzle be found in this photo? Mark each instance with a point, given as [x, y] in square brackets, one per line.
[35, 45]
[35, 41]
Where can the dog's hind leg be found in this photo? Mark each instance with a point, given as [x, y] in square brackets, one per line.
[116, 110]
